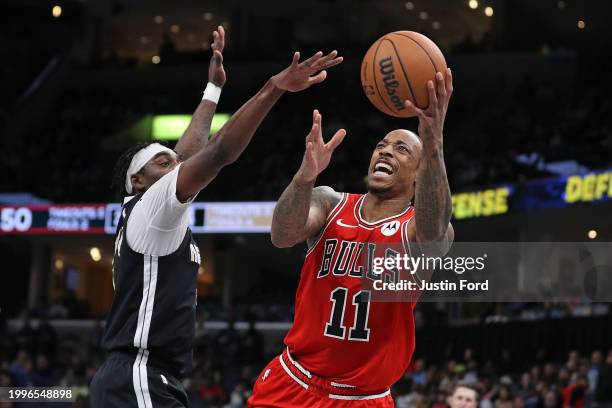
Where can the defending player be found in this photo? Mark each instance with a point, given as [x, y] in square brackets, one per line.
[151, 325]
[342, 349]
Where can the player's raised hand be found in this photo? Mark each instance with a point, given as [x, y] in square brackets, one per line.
[431, 120]
[216, 73]
[301, 75]
[318, 153]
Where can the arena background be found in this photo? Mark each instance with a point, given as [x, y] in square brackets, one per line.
[528, 138]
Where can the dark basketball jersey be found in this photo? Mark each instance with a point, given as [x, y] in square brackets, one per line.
[153, 312]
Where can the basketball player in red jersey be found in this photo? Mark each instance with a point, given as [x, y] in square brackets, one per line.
[343, 349]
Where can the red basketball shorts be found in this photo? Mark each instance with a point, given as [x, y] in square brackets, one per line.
[284, 383]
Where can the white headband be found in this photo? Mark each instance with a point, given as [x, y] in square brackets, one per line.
[141, 158]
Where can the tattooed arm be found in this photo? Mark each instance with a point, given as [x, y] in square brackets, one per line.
[301, 210]
[433, 205]
[196, 134]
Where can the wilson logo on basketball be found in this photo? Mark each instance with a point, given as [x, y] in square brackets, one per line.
[396, 68]
[388, 74]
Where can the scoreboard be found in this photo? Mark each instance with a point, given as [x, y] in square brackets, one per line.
[547, 193]
[256, 217]
[243, 217]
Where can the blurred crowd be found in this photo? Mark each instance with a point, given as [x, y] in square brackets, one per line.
[74, 131]
[580, 382]
[78, 141]
[228, 361]
[272, 300]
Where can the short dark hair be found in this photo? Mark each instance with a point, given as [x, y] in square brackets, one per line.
[464, 385]
[122, 165]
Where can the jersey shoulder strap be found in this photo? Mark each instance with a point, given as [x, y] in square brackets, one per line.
[126, 209]
[344, 206]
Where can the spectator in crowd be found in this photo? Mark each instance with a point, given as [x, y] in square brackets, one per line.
[574, 394]
[504, 397]
[593, 373]
[440, 400]
[603, 393]
[551, 400]
[463, 396]
[525, 386]
[42, 375]
[21, 368]
[410, 395]
[419, 375]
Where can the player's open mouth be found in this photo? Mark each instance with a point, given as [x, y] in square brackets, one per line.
[382, 168]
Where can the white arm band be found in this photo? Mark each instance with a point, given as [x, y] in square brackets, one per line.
[212, 93]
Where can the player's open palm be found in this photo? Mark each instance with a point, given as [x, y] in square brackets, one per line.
[318, 153]
[216, 72]
[431, 120]
[301, 75]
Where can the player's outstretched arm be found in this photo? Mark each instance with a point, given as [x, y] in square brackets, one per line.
[433, 205]
[301, 210]
[197, 133]
[231, 140]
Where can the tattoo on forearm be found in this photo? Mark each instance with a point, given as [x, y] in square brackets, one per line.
[291, 212]
[290, 223]
[197, 133]
[433, 205]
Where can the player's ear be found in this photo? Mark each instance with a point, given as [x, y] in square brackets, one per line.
[138, 183]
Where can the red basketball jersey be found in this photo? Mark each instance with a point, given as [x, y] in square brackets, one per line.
[337, 332]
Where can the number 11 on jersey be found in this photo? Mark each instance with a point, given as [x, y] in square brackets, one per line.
[335, 326]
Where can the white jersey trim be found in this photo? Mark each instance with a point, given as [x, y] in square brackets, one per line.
[297, 380]
[140, 380]
[298, 365]
[141, 336]
[332, 396]
[360, 397]
[145, 312]
[339, 385]
[358, 206]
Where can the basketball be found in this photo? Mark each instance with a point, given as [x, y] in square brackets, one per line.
[225, 220]
[397, 67]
